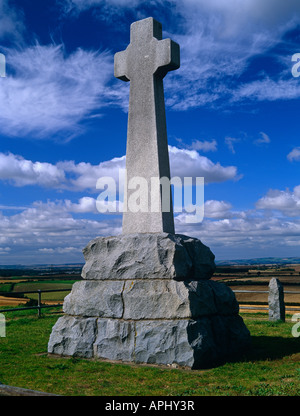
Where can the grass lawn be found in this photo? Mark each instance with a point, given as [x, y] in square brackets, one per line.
[270, 368]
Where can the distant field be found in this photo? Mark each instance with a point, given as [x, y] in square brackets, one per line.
[263, 297]
[33, 284]
[238, 278]
[4, 301]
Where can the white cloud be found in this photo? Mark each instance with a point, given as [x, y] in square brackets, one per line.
[83, 176]
[21, 172]
[230, 141]
[264, 139]
[11, 22]
[244, 234]
[189, 163]
[218, 39]
[85, 204]
[47, 232]
[217, 209]
[287, 202]
[204, 146]
[51, 93]
[5, 250]
[294, 154]
[268, 90]
[86, 175]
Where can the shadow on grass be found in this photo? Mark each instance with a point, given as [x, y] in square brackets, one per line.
[271, 348]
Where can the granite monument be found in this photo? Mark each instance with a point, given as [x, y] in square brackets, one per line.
[147, 294]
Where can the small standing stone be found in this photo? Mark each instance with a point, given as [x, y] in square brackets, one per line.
[276, 301]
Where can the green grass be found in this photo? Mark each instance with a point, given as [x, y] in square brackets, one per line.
[6, 287]
[270, 368]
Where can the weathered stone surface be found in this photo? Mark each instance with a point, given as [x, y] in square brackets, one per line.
[142, 256]
[200, 343]
[95, 298]
[194, 343]
[276, 300]
[115, 340]
[163, 342]
[169, 299]
[144, 63]
[152, 299]
[149, 299]
[73, 336]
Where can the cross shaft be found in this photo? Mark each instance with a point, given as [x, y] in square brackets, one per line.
[144, 63]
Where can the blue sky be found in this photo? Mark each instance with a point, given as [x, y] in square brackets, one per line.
[232, 110]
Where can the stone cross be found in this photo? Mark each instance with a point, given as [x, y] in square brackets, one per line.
[144, 63]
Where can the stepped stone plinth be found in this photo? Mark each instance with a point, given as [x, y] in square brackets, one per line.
[148, 298]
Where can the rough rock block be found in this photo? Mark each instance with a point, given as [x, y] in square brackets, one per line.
[95, 298]
[200, 343]
[142, 256]
[149, 299]
[73, 336]
[115, 340]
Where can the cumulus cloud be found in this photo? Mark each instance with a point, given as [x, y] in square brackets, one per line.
[240, 232]
[190, 163]
[217, 209]
[54, 232]
[294, 154]
[287, 202]
[48, 232]
[20, 172]
[83, 176]
[85, 204]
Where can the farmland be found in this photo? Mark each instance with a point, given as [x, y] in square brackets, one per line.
[238, 277]
[13, 281]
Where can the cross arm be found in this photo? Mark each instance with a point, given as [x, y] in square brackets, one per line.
[120, 65]
[168, 56]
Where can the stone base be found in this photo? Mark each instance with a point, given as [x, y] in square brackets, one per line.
[196, 344]
[156, 319]
[193, 324]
